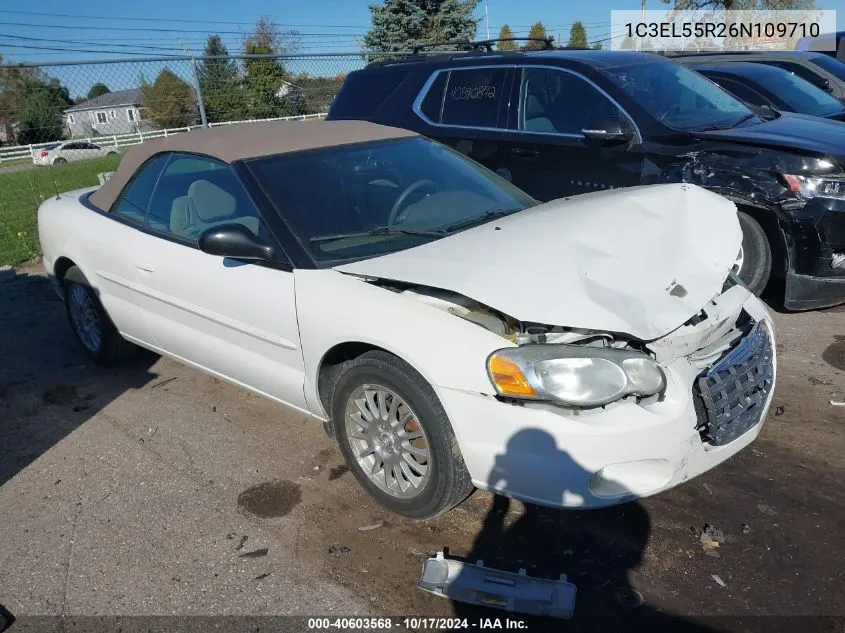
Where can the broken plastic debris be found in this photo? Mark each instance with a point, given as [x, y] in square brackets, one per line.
[718, 580]
[837, 404]
[514, 592]
[367, 528]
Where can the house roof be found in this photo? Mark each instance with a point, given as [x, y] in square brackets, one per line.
[132, 96]
[245, 140]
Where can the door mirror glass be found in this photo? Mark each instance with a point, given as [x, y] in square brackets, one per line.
[607, 129]
[235, 241]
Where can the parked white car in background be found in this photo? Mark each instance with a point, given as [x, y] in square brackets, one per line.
[58, 153]
[579, 353]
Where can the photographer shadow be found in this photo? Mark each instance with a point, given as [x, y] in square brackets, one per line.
[595, 549]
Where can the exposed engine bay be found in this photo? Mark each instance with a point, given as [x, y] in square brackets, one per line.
[703, 338]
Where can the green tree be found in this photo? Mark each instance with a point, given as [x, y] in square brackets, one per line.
[504, 33]
[39, 111]
[577, 35]
[399, 25]
[536, 32]
[169, 101]
[34, 103]
[269, 90]
[597, 46]
[221, 83]
[98, 89]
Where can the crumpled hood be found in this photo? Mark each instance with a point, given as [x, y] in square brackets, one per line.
[639, 261]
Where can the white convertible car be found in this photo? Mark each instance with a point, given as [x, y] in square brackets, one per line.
[447, 329]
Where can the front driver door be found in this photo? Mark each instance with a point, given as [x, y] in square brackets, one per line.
[231, 318]
[547, 153]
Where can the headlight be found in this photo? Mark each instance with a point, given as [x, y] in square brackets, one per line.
[574, 375]
[817, 186]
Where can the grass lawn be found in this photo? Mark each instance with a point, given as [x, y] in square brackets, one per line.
[22, 192]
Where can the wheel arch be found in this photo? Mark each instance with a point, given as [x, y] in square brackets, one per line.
[61, 268]
[331, 364]
[768, 221]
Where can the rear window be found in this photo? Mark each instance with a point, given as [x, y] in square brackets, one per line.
[363, 93]
[833, 66]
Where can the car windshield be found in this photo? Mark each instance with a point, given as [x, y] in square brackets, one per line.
[369, 199]
[800, 95]
[831, 65]
[678, 97]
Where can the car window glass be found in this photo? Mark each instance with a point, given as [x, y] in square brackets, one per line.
[678, 97]
[432, 104]
[67, 146]
[740, 91]
[473, 97]
[800, 95]
[333, 198]
[363, 93]
[559, 102]
[831, 65]
[802, 71]
[133, 201]
[195, 193]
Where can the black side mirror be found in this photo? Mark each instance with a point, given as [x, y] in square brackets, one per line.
[235, 241]
[607, 130]
[823, 83]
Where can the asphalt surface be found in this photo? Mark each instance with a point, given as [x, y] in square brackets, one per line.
[154, 490]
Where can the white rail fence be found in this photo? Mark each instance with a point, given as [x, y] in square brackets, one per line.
[121, 141]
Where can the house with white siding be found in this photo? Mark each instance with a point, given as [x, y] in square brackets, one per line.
[115, 112]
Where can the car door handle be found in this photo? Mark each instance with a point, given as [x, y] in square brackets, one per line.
[147, 268]
[521, 152]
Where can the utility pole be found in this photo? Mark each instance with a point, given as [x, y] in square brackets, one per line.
[487, 19]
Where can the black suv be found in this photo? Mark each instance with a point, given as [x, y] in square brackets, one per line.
[564, 122]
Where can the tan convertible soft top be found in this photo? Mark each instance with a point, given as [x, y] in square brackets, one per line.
[245, 140]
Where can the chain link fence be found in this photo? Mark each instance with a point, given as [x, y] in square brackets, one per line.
[62, 124]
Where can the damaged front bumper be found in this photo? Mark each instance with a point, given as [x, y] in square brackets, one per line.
[606, 456]
[815, 234]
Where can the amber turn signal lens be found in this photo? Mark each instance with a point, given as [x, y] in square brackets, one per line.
[508, 378]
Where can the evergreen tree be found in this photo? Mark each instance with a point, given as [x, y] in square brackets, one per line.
[538, 32]
[399, 25]
[221, 83]
[267, 82]
[97, 90]
[504, 33]
[169, 101]
[577, 35]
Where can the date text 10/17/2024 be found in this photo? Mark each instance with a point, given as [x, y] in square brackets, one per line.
[417, 623]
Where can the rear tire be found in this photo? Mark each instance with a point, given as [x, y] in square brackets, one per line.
[754, 263]
[445, 482]
[59, 160]
[90, 323]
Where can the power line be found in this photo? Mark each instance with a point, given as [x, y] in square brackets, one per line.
[184, 21]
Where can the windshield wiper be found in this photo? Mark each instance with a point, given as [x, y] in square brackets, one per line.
[750, 115]
[492, 214]
[381, 230]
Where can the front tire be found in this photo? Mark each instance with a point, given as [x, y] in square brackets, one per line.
[754, 262]
[90, 323]
[396, 437]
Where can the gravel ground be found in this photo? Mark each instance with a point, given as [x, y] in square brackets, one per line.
[154, 490]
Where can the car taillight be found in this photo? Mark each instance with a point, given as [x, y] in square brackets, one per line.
[43, 154]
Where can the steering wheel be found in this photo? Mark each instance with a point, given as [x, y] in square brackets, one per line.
[403, 198]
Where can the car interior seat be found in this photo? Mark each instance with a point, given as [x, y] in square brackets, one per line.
[206, 205]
